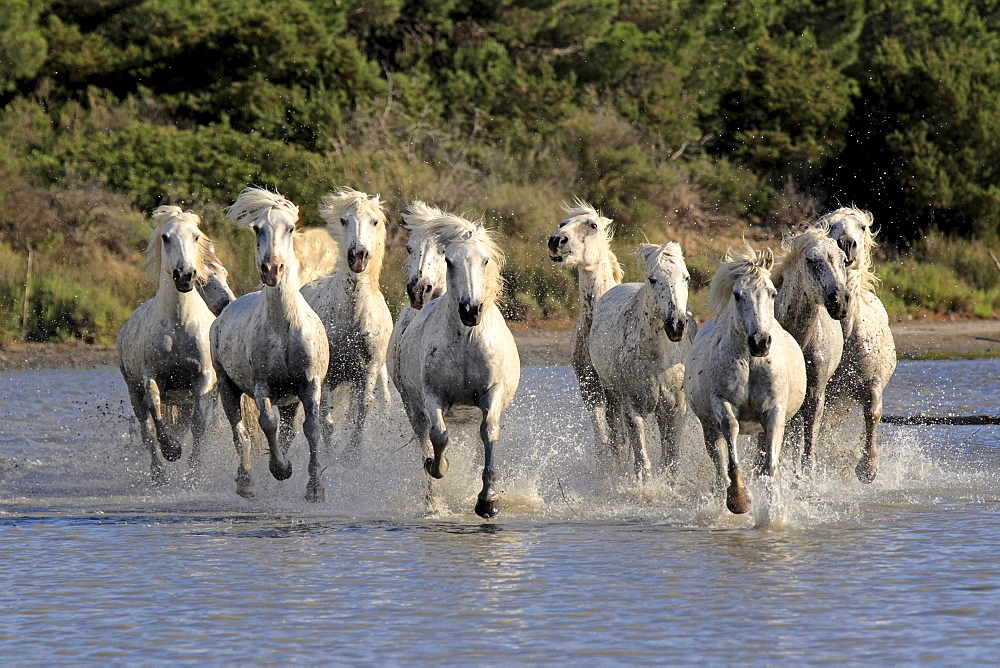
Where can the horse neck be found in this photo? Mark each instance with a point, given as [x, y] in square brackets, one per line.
[728, 327]
[357, 288]
[651, 334]
[795, 311]
[178, 307]
[594, 281]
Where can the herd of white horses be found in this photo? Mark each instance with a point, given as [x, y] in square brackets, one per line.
[801, 340]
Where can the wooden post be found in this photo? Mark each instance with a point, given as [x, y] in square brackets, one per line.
[27, 293]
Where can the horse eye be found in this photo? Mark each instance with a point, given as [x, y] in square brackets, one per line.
[486, 261]
[165, 238]
[687, 279]
[652, 281]
[563, 224]
[375, 222]
[343, 221]
[737, 296]
[197, 237]
[593, 226]
[409, 249]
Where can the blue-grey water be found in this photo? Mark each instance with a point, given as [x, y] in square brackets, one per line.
[97, 565]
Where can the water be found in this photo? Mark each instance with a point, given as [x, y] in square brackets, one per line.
[98, 566]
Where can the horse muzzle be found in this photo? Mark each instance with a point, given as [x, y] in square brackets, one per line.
[184, 280]
[469, 313]
[759, 345]
[850, 248]
[674, 327]
[556, 242]
[271, 273]
[837, 305]
[357, 259]
[419, 293]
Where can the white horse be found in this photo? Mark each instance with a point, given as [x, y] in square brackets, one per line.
[583, 240]
[426, 275]
[351, 305]
[869, 350]
[214, 286]
[812, 295]
[163, 348]
[637, 345]
[271, 345]
[744, 372]
[459, 351]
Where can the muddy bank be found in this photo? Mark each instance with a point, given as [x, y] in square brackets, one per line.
[543, 347]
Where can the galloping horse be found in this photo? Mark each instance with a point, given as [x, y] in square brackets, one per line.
[351, 305]
[744, 372]
[459, 351]
[271, 345]
[869, 350]
[163, 348]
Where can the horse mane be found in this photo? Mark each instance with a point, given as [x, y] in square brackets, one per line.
[335, 203]
[733, 266]
[794, 245]
[865, 269]
[581, 208]
[207, 263]
[255, 203]
[650, 254]
[449, 228]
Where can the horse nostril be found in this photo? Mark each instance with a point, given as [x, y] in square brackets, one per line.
[428, 288]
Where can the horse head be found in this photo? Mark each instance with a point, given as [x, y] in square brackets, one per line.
[851, 229]
[426, 270]
[826, 271]
[582, 238]
[359, 223]
[177, 247]
[272, 219]
[667, 278]
[753, 301]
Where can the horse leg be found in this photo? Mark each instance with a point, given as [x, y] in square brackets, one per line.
[169, 445]
[437, 466]
[489, 432]
[157, 472]
[737, 497]
[286, 428]
[670, 419]
[868, 466]
[773, 422]
[383, 383]
[204, 399]
[636, 428]
[713, 443]
[595, 401]
[231, 395]
[811, 417]
[327, 418]
[280, 467]
[312, 407]
[362, 397]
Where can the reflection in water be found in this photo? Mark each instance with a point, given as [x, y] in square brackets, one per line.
[581, 566]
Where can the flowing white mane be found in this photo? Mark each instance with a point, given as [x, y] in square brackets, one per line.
[333, 206]
[650, 254]
[794, 245]
[448, 228]
[735, 265]
[207, 263]
[256, 203]
[865, 267]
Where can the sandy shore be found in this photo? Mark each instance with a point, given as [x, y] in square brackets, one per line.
[914, 339]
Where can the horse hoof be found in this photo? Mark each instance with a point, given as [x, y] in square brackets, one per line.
[438, 473]
[246, 489]
[278, 472]
[866, 470]
[171, 450]
[315, 494]
[737, 500]
[487, 509]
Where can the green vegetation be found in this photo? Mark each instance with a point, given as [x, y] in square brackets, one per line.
[696, 121]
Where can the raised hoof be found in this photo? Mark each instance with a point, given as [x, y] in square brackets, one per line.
[487, 509]
[246, 489]
[171, 449]
[866, 470]
[315, 493]
[441, 469]
[737, 500]
[278, 472]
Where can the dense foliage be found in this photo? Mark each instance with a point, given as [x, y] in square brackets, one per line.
[708, 116]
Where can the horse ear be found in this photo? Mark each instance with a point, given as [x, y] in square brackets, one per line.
[766, 259]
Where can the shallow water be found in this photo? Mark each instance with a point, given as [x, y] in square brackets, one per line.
[98, 565]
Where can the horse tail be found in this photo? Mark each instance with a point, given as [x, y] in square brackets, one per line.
[256, 441]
